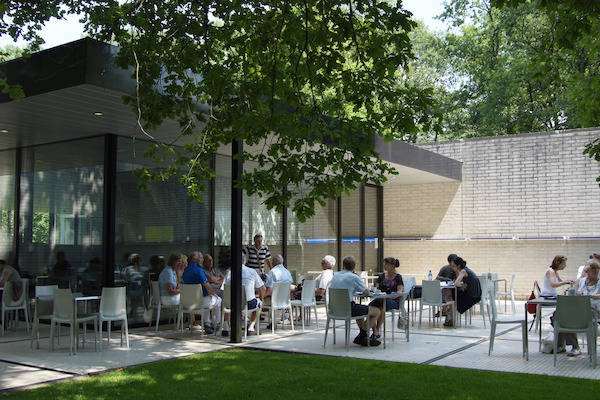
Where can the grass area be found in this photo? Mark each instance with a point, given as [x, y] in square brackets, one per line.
[249, 374]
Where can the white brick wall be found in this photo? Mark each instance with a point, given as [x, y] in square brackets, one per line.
[531, 185]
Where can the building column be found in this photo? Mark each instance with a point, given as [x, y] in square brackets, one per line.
[235, 317]
[109, 213]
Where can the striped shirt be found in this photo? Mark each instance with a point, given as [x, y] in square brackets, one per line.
[255, 258]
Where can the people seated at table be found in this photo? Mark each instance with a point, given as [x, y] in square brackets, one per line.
[552, 280]
[251, 283]
[132, 273]
[193, 275]
[157, 264]
[62, 270]
[9, 274]
[468, 291]
[348, 279]
[169, 280]
[447, 274]
[278, 273]
[215, 276]
[324, 278]
[590, 286]
[91, 278]
[388, 282]
[582, 270]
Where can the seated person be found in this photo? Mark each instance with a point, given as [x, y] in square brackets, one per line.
[469, 288]
[552, 279]
[169, 279]
[278, 274]
[251, 283]
[324, 278]
[347, 279]
[132, 272]
[9, 274]
[194, 274]
[447, 274]
[157, 264]
[62, 270]
[215, 276]
[388, 282]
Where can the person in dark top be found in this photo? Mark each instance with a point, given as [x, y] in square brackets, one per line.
[388, 282]
[62, 270]
[469, 288]
[447, 274]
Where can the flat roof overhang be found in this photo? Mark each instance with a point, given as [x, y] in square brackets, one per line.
[66, 86]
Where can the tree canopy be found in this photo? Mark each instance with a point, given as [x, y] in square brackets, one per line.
[308, 83]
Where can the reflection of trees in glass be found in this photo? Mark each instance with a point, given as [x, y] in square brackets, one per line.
[41, 227]
[6, 222]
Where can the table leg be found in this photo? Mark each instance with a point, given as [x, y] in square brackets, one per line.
[538, 311]
[384, 304]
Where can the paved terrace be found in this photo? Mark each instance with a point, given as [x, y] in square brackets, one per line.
[461, 347]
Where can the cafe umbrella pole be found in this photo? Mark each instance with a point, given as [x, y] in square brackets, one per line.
[236, 243]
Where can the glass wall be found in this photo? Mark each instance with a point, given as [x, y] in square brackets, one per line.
[61, 213]
[151, 224]
[371, 243]
[7, 205]
[222, 256]
[351, 227]
[309, 242]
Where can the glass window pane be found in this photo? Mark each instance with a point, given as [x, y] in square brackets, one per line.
[351, 227]
[7, 208]
[62, 185]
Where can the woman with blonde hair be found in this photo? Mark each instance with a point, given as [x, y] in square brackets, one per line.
[169, 280]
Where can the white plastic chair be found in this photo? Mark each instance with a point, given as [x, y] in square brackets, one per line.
[574, 314]
[338, 308]
[226, 304]
[398, 311]
[113, 308]
[191, 302]
[511, 320]
[64, 313]
[486, 298]
[409, 283]
[8, 304]
[510, 293]
[44, 306]
[280, 300]
[156, 303]
[307, 301]
[432, 296]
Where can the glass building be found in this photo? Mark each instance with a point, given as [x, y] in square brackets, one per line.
[71, 211]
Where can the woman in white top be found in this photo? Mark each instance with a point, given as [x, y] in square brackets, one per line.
[552, 279]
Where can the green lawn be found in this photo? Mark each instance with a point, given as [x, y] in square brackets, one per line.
[248, 374]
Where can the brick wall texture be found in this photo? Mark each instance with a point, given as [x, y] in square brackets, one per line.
[537, 187]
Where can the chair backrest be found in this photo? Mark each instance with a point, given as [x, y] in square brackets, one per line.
[294, 274]
[113, 302]
[574, 312]
[536, 285]
[154, 293]
[281, 294]
[191, 297]
[338, 304]
[45, 291]
[432, 292]
[308, 290]
[63, 304]
[409, 283]
[490, 292]
[227, 297]
[8, 297]
[512, 282]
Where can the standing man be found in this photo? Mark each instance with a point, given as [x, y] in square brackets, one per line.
[347, 279]
[258, 256]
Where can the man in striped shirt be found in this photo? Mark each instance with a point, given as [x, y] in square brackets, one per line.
[258, 255]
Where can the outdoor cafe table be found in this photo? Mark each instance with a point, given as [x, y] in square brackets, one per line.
[398, 296]
[539, 303]
[77, 297]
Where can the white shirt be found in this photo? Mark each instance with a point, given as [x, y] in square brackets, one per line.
[324, 279]
[347, 280]
[278, 274]
[547, 289]
[584, 290]
[250, 281]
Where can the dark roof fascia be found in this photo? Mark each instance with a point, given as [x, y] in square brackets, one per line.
[409, 155]
[84, 61]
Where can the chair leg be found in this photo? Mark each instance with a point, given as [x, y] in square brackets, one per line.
[292, 320]
[108, 331]
[157, 317]
[100, 332]
[555, 346]
[96, 334]
[347, 334]
[71, 343]
[492, 337]
[126, 333]
[334, 331]
[303, 316]
[481, 307]
[420, 313]
[326, 330]
[316, 319]
[524, 338]
[272, 320]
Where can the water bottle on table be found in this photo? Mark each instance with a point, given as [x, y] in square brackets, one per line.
[429, 276]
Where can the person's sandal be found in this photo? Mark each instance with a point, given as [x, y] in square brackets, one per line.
[574, 353]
